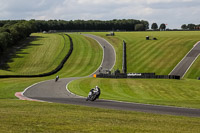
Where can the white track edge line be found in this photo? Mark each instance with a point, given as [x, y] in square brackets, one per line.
[99, 66]
[22, 93]
[183, 58]
[105, 99]
[190, 65]
[72, 92]
[103, 54]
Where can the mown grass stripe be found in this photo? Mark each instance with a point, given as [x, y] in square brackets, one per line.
[156, 55]
[85, 59]
[38, 55]
[146, 58]
[182, 93]
[181, 41]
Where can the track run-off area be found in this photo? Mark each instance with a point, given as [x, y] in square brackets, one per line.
[51, 91]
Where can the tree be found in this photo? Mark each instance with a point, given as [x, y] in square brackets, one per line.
[191, 26]
[139, 27]
[154, 26]
[146, 24]
[5, 41]
[162, 26]
[184, 27]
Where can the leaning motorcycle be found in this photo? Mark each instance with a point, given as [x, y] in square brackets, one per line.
[92, 96]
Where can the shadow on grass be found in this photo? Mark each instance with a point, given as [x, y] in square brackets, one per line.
[17, 51]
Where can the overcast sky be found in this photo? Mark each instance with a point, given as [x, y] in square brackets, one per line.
[171, 12]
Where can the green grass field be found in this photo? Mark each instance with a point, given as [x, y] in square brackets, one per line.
[159, 56]
[194, 71]
[25, 116]
[85, 59]
[41, 53]
[44, 52]
[182, 93]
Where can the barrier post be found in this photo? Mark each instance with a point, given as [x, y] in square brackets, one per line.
[124, 65]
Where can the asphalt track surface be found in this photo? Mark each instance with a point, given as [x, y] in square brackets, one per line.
[51, 91]
[187, 61]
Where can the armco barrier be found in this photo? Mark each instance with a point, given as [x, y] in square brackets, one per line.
[58, 68]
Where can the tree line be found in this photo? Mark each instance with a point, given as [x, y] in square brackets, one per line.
[92, 25]
[13, 31]
[190, 27]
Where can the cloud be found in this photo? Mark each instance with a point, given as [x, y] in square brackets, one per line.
[173, 12]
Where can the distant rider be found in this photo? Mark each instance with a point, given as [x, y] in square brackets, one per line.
[57, 77]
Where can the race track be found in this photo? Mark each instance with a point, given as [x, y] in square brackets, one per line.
[52, 91]
[187, 61]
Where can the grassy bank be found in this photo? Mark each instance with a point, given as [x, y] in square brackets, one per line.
[85, 59]
[159, 56]
[182, 93]
[23, 116]
[194, 71]
[40, 53]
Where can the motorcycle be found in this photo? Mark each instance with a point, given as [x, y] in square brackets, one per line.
[57, 77]
[93, 94]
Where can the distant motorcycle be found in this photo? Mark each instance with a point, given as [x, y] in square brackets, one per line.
[57, 77]
[94, 94]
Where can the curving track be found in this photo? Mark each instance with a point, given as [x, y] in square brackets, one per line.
[184, 65]
[52, 91]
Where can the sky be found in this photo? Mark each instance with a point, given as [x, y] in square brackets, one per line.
[174, 13]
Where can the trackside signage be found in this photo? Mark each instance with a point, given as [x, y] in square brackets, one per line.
[140, 75]
[137, 75]
[134, 74]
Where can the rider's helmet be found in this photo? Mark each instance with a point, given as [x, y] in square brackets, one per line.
[96, 88]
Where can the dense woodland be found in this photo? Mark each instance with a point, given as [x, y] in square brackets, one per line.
[13, 31]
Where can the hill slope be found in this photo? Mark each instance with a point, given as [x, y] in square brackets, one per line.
[159, 56]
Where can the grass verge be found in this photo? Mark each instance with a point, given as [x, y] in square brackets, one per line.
[85, 58]
[23, 116]
[40, 54]
[194, 71]
[182, 93]
[159, 56]
[26, 116]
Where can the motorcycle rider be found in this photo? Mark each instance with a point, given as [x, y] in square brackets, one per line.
[97, 91]
[90, 94]
[57, 77]
[93, 91]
